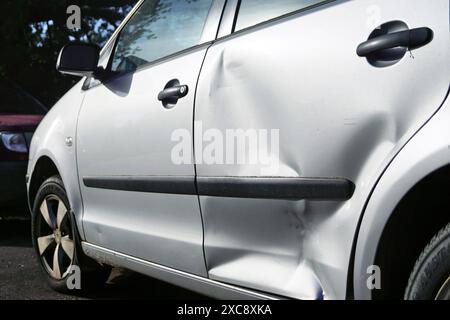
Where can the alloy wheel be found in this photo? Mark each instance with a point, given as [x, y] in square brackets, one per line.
[55, 242]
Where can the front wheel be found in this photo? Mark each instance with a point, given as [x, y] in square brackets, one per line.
[57, 244]
[430, 279]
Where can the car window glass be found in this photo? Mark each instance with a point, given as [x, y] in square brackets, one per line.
[160, 28]
[252, 12]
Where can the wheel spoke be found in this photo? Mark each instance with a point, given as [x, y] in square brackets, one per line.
[46, 214]
[56, 263]
[68, 246]
[62, 211]
[44, 242]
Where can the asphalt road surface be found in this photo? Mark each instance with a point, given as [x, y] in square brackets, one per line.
[21, 278]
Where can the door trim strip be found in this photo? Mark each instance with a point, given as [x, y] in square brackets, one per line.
[275, 188]
[160, 184]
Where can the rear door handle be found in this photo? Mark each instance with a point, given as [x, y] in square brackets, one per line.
[411, 39]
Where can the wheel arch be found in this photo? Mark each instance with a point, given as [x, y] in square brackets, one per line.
[417, 218]
[44, 168]
[421, 171]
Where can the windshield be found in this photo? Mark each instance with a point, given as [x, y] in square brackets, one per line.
[14, 100]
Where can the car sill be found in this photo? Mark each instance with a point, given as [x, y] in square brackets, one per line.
[178, 278]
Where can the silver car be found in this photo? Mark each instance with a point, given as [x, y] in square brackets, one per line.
[253, 150]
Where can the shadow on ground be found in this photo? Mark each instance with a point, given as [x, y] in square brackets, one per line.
[21, 278]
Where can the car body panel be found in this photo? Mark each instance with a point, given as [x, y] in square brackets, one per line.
[300, 74]
[133, 139]
[169, 235]
[427, 152]
[49, 141]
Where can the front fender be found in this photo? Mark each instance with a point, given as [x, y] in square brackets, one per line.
[49, 141]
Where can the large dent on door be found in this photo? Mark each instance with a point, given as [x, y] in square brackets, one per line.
[232, 246]
[257, 100]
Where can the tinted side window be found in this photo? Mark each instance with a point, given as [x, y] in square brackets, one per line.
[252, 12]
[160, 28]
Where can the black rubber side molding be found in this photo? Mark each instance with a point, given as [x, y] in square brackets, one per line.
[276, 188]
[170, 185]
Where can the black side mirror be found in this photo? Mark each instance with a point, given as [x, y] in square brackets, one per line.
[78, 59]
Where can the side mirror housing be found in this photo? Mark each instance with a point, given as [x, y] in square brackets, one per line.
[78, 59]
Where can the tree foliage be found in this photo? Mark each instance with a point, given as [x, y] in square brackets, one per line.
[32, 32]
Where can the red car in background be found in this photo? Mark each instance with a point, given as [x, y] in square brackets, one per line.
[20, 114]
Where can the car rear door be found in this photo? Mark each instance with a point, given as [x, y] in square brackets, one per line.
[318, 112]
[137, 200]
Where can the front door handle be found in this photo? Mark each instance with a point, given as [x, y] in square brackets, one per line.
[172, 93]
[411, 39]
[176, 92]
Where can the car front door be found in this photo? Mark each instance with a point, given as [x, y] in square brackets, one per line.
[137, 200]
[298, 112]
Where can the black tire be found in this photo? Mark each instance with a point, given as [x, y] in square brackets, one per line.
[59, 241]
[430, 279]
